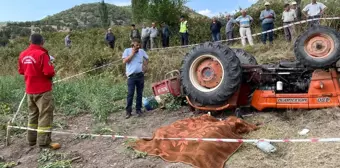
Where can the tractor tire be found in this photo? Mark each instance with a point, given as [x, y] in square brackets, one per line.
[319, 47]
[210, 74]
[244, 57]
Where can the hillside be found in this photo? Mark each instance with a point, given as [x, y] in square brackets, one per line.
[87, 15]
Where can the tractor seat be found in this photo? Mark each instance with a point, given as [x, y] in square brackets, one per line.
[290, 64]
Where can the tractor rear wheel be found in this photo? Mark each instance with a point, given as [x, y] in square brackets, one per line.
[210, 74]
[244, 57]
[319, 47]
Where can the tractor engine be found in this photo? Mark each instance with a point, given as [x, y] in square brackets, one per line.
[281, 79]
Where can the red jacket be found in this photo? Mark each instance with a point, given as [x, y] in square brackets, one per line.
[35, 65]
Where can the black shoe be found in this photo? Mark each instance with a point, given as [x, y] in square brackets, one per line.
[32, 143]
[127, 116]
[139, 113]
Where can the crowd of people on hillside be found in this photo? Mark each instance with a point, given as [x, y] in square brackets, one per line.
[267, 18]
[150, 36]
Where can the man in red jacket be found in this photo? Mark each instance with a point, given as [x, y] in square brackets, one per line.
[35, 65]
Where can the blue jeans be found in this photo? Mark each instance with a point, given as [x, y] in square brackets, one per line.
[216, 37]
[266, 27]
[135, 82]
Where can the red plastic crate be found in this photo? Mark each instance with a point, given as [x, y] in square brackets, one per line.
[171, 85]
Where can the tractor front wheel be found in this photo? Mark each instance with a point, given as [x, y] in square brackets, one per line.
[318, 47]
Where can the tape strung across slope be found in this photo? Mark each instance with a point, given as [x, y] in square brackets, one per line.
[256, 34]
[190, 139]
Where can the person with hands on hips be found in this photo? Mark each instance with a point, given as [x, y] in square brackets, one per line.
[135, 60]
[314, 10]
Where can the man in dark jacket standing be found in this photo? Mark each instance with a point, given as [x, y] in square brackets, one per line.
[165, 35]
[215, 28]
[110, 38]
[35, 65]
[134, 32]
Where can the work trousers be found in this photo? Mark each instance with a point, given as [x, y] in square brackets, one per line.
[289, 31]
[230, 35]
[135, 82]
[314, 22]
[145, 42]
[216, 36]
[246, 32]
[266, 27]
[184, 39]
[153, 41]
[111, 44]
[40, 107]
[165, 41]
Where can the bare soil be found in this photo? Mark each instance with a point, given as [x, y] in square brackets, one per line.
[106, 152]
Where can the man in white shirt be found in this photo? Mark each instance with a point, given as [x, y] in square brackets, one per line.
[314, 10]
[294, 6]
[153, 36]
[288, 17]
[145, 37]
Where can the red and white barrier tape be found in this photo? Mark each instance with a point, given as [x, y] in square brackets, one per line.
[191, 139]
[256, 34]
[61, 80]
[67, 78]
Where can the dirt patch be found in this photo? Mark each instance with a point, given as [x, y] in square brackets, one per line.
[86, 152]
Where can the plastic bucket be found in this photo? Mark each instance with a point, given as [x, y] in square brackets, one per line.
[150, 103]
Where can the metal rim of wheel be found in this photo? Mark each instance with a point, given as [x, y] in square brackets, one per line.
[319, 45]
[206, 73]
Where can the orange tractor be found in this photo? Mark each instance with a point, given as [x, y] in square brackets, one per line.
[215, 77]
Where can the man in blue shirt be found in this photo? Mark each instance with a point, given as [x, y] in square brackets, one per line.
[267, 17]
[136, 61]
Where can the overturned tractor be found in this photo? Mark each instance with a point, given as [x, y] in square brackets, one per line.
[215, 77]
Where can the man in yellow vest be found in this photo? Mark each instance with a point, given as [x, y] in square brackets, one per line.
[183, 30]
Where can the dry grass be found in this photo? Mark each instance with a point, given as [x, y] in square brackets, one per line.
[278, 125]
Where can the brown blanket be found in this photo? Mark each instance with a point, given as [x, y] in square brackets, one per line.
[198, 154]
